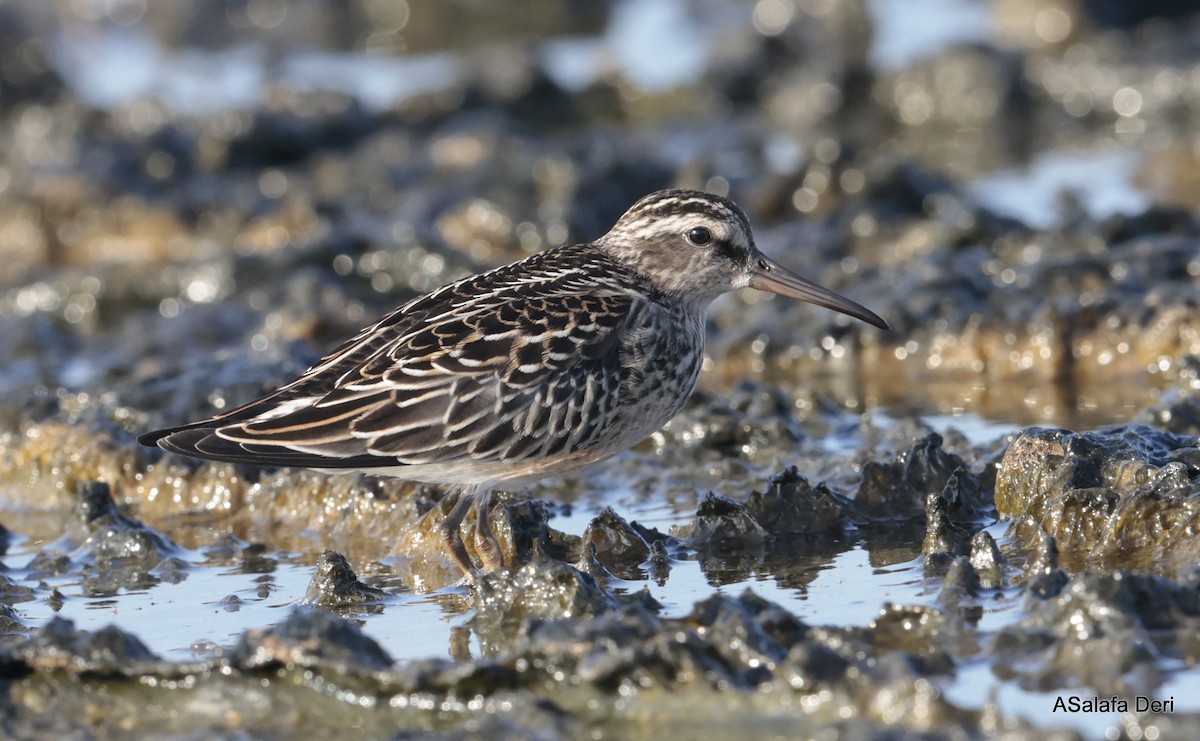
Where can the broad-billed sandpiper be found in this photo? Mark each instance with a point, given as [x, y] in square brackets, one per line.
[554, 362]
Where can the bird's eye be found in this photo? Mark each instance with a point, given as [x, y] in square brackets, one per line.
[699, 236]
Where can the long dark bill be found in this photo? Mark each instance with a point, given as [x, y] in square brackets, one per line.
[768, 275]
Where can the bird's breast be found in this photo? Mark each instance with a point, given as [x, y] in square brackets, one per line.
[660, 361]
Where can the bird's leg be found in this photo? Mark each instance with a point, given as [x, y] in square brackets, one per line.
[450, 530]
[486, 544]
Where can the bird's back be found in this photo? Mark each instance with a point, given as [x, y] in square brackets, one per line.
[552, 362]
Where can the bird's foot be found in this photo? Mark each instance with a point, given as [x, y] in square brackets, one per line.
[487, 547]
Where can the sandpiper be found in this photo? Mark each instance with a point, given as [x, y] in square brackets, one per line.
[556, 361]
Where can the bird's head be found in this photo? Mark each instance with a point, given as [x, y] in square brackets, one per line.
[696, 246]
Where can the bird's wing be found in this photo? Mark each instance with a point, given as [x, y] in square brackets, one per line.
[505, 366]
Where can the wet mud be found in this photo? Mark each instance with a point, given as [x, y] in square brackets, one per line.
[1013, 467]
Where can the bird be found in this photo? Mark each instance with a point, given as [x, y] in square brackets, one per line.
[548, 364]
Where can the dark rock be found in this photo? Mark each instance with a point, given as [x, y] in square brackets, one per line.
[722, 523]
[590, 565]
[810, 665]
[606, 651]
[616, 544]
[98, 581]
[660, 562]
[724, 642]
[924, 634]
[111, 652]
[12, 593]
[48, 564]
[791, 505]
[506, 601]
[336, 585]
[522, 526]
[961, 581]
[986, 560]
[942, 539]
[760, 632]
[898, 490]
[10, 620]
[56, 600]
[1045, 578]
[311, 638]
[1115, 498]
[750, 418]
[112, 537]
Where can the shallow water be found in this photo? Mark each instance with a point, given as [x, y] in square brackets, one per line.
[209, 609]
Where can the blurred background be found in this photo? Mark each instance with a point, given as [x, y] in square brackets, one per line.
[180, 176]
[179, 179]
